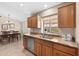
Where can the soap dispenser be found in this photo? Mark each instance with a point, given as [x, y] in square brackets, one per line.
[69, 37]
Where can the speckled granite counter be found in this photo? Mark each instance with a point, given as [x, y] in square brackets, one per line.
[56, 40]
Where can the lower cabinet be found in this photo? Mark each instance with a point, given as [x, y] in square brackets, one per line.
[25, 41]
[42, 48]
[46, 51]
[28, 43]
[65, 49]
[45, 48]
[59, 53]
[38, 48]
[78, 52]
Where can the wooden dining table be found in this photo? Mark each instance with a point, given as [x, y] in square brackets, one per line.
[10, 36]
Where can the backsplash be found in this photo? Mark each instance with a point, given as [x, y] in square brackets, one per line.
[36, 30]
[68, 31]
[58, 31]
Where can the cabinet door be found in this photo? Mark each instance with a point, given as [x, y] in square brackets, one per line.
[65, 49]
[59, 53]
[78, 52]
[46, 50]
[25, 42]
[29, 21]
[66, 16]
[43, 50]
[62, 17]
[71, 15]
[38, 49]
[34, 22]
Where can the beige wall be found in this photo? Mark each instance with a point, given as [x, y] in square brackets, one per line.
[77, 22]
[49, 11]
[25, 29]
[4, 20]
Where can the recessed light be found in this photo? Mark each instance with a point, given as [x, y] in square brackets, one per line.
[45, 6]
[21, 4]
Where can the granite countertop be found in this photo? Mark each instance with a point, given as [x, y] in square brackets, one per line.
[57, 40]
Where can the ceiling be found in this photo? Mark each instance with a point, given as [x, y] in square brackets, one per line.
[21, 10]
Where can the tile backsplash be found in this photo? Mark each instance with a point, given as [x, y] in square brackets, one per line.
[60, 31]
[38, 30]
[68, 31]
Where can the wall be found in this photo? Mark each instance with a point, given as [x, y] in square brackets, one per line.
[4, 20]
[77, 22]
[24, 26]
[49, 11]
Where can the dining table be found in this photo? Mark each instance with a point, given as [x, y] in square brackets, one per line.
[12, 36]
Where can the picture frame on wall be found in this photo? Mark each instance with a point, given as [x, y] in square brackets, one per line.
[4, 27]
[11, 26]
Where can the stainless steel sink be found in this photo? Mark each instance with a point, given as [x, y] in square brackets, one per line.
[46, 36]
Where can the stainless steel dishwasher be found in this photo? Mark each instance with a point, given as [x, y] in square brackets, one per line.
[31, 44]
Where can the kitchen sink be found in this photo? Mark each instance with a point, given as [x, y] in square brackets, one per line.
[46, 36]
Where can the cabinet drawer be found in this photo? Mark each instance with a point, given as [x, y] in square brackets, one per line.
[46, 50]
[38, 49]
[59, 53]
[46, 43]
[65, 49]
[38, 40]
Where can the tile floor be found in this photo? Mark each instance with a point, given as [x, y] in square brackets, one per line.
[14, 49]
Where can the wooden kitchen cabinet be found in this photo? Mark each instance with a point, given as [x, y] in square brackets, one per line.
[29, 22]
[78, 51]
[46, 48]
[67, 16]
[66, 49]
[43, 48]
[38, 47]
[25, 41]
[59, 53]
[33, 22]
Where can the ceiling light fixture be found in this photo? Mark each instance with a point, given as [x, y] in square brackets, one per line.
[45, 6]
[21, 4]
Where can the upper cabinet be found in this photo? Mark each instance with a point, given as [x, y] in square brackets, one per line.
[67, 16]
[62, 17]
[33, 22]
[29, 22]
